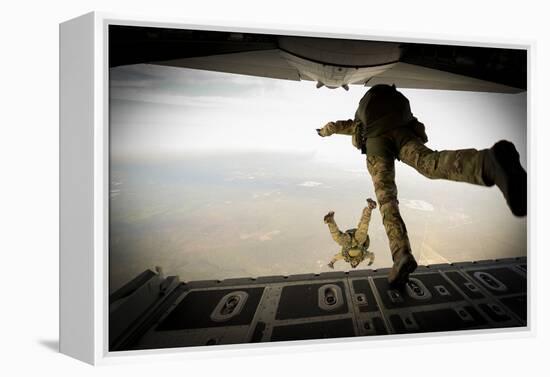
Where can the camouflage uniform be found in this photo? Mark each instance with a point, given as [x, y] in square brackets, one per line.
[385, 124]
[354, 242]
[460, 165]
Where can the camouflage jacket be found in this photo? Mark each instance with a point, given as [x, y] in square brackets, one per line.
[382, 109]
[375, 145]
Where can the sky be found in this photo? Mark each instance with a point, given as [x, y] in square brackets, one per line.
[158, 110]
[217, 175]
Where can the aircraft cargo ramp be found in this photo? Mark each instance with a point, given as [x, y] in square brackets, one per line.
[152, 311]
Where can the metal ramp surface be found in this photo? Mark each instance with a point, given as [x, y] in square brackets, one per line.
[447, 297]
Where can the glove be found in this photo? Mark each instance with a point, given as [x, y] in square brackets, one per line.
[329, 124]
[328, 217]
[372, 203]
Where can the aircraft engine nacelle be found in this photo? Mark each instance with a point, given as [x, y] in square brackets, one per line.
[338, 63]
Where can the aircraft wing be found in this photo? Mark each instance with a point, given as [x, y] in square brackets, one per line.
[405, 75]
[331, 63]
[265, 63]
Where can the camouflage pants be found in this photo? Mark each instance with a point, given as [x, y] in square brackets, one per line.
[460, 165]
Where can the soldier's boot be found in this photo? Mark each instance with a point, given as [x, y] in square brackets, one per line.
[501, 166]
[403, 265]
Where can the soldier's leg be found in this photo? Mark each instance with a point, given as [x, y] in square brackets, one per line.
[465, 165]
[382, 171]
[335, 259]
[498, 165]
[370, 256]
[339, 237]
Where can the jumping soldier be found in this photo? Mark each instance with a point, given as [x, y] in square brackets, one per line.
[385, 129]
[355, 242]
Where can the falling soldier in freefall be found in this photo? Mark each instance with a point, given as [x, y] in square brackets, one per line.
[385, 129]
[354, 242]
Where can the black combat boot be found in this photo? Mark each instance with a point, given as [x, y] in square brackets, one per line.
[501, 166]
[403, 265]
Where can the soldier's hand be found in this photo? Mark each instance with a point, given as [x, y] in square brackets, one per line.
[371, 203]
[330, 125]
[331, 265]
[329, 217]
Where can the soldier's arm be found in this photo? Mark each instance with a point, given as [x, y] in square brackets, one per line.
[343, 127]
[339, 237]
[363, 227]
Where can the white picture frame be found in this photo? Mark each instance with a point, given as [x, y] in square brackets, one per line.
[84, 191]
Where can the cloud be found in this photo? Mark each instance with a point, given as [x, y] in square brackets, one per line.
[269, 235]
[114, 192]
[419, 205]
[152, 83]
[260, 236]
[265, 194]
[310, 184]
[238, 175]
